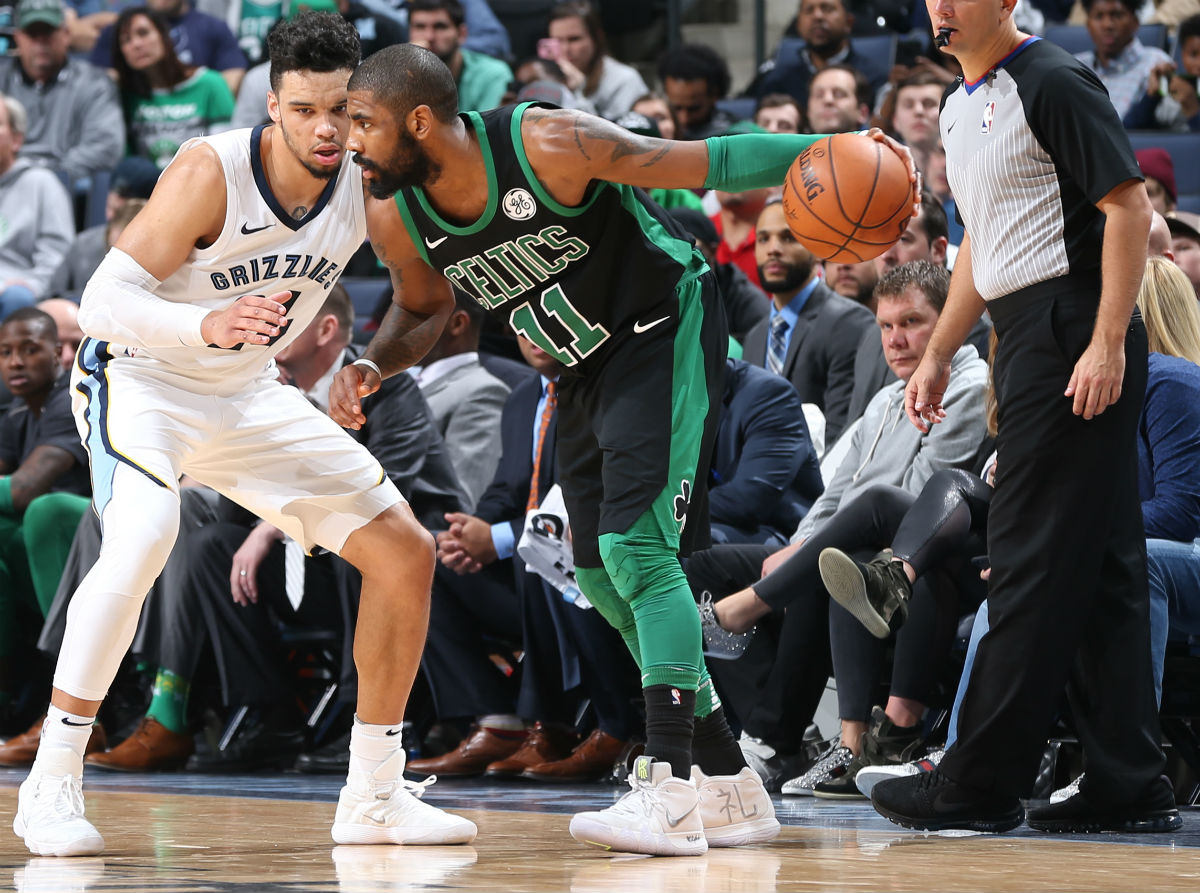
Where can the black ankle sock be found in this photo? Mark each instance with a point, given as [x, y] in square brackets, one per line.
[669, 727]
[714, 749]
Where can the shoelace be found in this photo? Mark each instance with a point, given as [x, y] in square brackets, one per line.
[416, 788]
[638, 792]
[67, 800]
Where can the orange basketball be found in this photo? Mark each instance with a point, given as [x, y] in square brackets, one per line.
[847, 198]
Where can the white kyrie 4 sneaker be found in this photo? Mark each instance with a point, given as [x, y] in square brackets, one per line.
[660, 816]
[50, 815]
[382, 807]
[736, 810]
[869, 776]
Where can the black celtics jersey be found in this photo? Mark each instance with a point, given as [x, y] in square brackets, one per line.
[578, 281]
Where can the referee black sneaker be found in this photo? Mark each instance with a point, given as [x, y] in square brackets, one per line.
[1153, 812]
[930, 801]
[876, 593]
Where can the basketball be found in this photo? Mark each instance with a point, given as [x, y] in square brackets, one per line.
[847, 198]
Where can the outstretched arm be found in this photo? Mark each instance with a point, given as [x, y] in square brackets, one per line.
[570, 149]
[421, 303]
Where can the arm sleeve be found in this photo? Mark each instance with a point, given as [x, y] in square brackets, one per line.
[1171, 419]
[1075, 122]
[504, 539]
[119, 305]
[753, 160]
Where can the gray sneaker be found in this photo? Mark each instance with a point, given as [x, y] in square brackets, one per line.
[876, 593]
[719, 642]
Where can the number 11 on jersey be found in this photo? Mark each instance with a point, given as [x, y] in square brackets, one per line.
[585, 336]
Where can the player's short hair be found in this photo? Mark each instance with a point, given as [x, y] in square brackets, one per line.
[933, 281]
[452, 8]
[932, 219]
[41, 318]
[338, 304]
[1134, 6]
[312, 41]
[403, 76]
[468, 305]
[1188, 28]
[696, 62]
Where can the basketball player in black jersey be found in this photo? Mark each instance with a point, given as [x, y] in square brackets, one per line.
[536, 213]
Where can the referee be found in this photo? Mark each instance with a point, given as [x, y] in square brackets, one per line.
[1056, 219]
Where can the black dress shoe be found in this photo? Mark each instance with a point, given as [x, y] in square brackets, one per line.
[332, 759]
[1153, 812]
[261, 743]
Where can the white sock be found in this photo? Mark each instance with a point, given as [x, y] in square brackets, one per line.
[371, 745]
[65, 731]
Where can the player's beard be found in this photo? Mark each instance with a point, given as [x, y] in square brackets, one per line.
[320, 171]
[408, 166]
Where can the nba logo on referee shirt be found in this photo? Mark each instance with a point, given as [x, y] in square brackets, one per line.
[989, 112]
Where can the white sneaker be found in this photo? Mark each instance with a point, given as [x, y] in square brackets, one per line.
[50, 808]
[49, 875]
[1066, 793]
[381, 807]
[735, 810]
[869, 776]
[836, 757]
[660, 816]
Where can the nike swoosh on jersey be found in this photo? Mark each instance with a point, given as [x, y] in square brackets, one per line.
[433, 243]
[638, 327]
[246, 230]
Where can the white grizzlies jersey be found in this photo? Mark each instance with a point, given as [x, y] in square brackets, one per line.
[262, 250]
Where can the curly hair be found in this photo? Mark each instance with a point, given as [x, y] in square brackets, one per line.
[312, 41]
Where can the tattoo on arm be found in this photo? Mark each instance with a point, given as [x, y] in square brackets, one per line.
[404, 337]
[578, 141]
[37, 474]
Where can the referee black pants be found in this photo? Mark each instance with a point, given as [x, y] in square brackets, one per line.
[1067, 601]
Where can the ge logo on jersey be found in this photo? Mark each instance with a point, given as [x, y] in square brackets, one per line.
[518, 204]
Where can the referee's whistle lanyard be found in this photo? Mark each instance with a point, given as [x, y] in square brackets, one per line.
[883, 426]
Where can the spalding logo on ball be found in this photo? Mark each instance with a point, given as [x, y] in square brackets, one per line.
[847, 198]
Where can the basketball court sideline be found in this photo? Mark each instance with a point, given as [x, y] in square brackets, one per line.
[191, 833]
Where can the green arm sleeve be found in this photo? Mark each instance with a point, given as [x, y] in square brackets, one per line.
[6, 500]
[753, 160]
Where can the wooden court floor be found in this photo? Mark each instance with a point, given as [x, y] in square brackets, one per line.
[212, 834]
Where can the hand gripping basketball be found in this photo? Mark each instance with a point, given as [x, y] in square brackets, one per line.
[848, 197]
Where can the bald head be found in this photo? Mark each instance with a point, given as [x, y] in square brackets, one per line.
[66, 317]
[1159, 242]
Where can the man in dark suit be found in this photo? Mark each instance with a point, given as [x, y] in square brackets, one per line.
[765, 472]
[812, 334]
[235, 572]
[481, 593]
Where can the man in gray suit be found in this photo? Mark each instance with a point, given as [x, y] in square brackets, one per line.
[466, 399]
[812, 333]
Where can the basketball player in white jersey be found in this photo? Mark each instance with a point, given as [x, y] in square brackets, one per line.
[229, 261]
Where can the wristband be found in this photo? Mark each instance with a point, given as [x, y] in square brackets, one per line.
[363, 361]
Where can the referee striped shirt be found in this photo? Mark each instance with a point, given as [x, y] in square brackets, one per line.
[1030, 148]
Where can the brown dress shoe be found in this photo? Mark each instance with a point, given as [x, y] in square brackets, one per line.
[590, 760]
[151, 748]
[20, 751]
[478, 750]
[543, 744]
